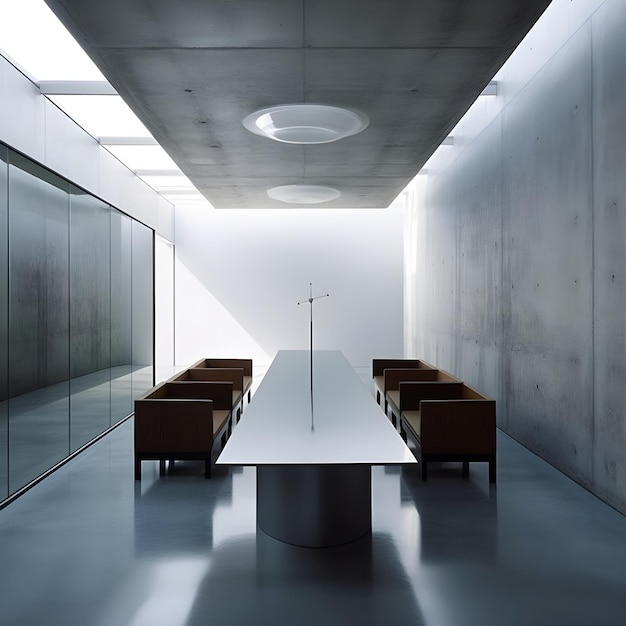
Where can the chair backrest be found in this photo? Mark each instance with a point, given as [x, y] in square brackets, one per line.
[380, 365]
[220, 392]
[393, 377]
[232, 374]
[245, 364]
[469, 393]
[412, 393]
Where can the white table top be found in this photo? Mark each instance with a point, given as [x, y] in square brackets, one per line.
[348, 426]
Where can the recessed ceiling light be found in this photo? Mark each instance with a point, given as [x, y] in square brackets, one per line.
[306, 123]
[303, 194]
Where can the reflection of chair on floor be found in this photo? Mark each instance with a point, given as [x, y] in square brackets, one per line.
[165, 531]
[458, 521]
[181, 420]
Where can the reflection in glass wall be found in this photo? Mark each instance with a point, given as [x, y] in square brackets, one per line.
[4, 328]
[90, 318]
[76, 318]
[143, 309]
[38, 320]
[121, 317]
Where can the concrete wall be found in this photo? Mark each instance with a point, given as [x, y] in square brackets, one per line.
[518, 246]
[241, 273]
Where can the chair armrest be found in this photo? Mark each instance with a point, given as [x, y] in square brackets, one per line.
[458, 426]
[380, 365]
[176, 425]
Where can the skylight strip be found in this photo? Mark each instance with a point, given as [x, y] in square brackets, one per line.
[76, 88]
[128, 141]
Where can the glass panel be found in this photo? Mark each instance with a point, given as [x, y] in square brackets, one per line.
[90, 318]
[38, 320]
[143, 309]
[164, 308]
[121, 317]
[4, 316]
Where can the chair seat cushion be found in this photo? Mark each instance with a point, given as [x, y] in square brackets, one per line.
[378, 382]
[220, 418]
[413, 419]
[393, 398]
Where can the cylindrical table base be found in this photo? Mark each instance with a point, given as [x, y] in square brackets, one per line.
[314, 505]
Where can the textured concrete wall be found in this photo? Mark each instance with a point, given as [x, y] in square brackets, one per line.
[609, 261]
[520, 279]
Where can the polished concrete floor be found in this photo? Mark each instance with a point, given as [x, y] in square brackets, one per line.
[89, 546]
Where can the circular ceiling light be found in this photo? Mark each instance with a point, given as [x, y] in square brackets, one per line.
[306, 123]
[303, 194]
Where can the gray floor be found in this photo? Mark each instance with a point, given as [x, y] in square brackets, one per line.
[89, 546]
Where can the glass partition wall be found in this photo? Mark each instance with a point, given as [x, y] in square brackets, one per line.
[4, 326]
[76, 318]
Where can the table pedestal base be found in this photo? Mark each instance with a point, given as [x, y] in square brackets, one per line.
[314, 505]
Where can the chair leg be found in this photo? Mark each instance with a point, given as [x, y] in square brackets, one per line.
[403, 433]
[492, 471]
[161, 467]
[424, 472]
[137, 468]
[207, 467]
[393, 419]
[465, 469]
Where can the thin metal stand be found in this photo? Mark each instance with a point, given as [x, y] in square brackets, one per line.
[310, 301]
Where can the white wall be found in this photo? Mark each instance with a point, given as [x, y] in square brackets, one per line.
[34, 126]
[241, 273]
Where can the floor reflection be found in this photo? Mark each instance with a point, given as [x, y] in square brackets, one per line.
[4, 449]
[38, 432]
[46, 425]
[459, 522]
[259, 580]
[174, 515]
[90, 545]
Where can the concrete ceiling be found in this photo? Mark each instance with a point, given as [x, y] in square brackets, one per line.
[193, 69]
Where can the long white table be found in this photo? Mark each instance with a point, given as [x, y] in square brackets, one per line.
[314, 467]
